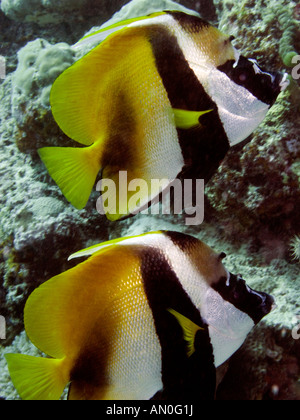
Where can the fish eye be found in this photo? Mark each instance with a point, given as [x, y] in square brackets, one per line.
[243, 77]
[222, 255]
[228, 40]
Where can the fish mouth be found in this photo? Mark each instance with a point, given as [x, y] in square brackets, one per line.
[235, 290]
[274, 306]
[263, 84]
[279, 82]
[267, 304]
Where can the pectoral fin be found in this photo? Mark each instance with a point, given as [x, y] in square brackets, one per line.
[189, 329]
[188, 119]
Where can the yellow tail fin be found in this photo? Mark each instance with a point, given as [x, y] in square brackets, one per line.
[37, 378]
[74, 170]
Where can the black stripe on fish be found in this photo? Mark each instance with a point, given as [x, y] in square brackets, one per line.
[255, 304]
[183, 377]
[182, 241]
[203, 149]
[123, 125]
[89, 372]
[190, 23]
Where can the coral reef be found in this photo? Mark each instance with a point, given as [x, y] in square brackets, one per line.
[41, 11]
[295, 247]
[39, 64]
[45, 12]
[139, 8]
[256, 192]
[265, 30]
[291, 32]
[273, 376]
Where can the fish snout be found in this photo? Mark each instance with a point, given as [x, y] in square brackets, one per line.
[280, 82]
[266, 305]
[284, 82]
[256, 304]
[261, 303]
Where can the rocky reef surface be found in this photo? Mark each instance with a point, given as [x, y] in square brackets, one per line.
[252, 203]
[257, 188]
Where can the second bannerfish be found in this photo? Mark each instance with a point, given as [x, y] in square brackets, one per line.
[144, 317]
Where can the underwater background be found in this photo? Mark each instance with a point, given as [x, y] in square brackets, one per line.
[251, 204]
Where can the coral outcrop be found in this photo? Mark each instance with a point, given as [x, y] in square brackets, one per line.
[260, 181]
[45, 12]
[39, 64]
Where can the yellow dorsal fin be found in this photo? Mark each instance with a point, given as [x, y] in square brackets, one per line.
[189, 329]
[37, 378]
[103, 33]
[188, 119]
[104, 246]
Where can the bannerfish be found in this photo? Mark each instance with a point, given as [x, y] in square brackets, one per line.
[161, 97]
[143, 317]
